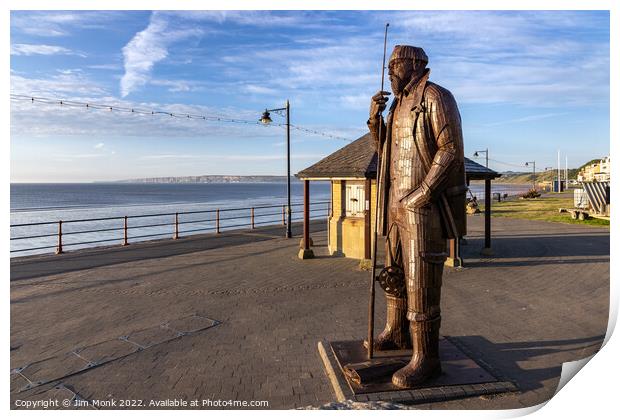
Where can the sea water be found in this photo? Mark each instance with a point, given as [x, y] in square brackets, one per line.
[35, 203]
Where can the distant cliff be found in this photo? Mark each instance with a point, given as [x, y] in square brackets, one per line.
[210, 179]
[528, 177]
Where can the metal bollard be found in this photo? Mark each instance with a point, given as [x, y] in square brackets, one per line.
[125, 243]
[217, 221]
[59, 246]
[252, 217]
[283, 215]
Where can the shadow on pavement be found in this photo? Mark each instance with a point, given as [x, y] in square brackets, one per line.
[39, 266]
[508, 358]
[570, 248]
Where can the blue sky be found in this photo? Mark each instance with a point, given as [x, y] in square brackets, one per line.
[527, 84]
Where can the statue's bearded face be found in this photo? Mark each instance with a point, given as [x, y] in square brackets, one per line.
[402, 71]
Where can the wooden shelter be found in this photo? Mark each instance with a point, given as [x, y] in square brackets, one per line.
[352, 172]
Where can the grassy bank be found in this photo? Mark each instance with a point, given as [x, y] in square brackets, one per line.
[543, 208]
[529, 177]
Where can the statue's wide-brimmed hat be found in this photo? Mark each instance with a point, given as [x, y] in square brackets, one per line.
[408, 51]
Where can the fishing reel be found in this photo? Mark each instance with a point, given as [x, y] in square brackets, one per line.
[392, 281]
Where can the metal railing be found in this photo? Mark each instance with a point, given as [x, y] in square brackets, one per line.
[500, 192]
[220, 221]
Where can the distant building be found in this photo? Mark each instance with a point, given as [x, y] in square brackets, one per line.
[604, 173]
[597, 171]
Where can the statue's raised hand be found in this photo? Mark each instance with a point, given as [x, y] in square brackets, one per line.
[378, 103]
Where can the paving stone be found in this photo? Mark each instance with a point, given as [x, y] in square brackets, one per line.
[106, 351]
[53, 368]
[453, 391]
[18, 382]
[191, 324]
[151, 336]
[393, 396]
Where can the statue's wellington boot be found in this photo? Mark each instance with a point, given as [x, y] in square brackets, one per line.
[424, 364]
[395, 335]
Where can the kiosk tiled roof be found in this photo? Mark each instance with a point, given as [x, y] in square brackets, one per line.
[355, 160]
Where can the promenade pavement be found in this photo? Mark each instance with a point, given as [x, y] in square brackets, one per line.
[541, 300]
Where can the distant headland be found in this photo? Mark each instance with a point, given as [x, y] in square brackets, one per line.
[210, 179]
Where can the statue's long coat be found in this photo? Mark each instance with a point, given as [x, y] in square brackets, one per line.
[439, 159]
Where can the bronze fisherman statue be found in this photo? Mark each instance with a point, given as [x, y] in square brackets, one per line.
[421, 205]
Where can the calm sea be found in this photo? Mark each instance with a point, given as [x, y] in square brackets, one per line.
[35, 203]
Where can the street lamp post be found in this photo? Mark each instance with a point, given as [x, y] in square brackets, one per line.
[486, 154]
[266, 119]
[533, 171]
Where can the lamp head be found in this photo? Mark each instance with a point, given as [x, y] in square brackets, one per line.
[265, 119]
[475, 154]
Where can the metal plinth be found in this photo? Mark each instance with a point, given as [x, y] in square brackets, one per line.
[461, 375]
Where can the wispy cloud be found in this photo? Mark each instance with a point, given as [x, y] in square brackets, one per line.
[105, 66]
[176, 85]
[41, 119]
[141, 54]
[41, 49]
[260, 90]
[147, 48]
[510, 57]
[527, 118]
[360, 101]
[312, 62]
[77, 156]
[51, 23]
[481, 56]
[230, 157]
[99, 146]
[262, 18]
[169, 156]
[63, 82]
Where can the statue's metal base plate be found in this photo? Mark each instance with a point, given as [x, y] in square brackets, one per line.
[461, 375]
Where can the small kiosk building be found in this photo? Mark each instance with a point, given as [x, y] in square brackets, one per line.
[352, 172]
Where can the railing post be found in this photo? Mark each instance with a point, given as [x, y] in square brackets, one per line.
[176, 225]
[125, 243]
[306, 214]
[283, 215]
[487, 218]
[289, 218]
[305, 252]
[252, 217]
[59, 246]
[217, 221]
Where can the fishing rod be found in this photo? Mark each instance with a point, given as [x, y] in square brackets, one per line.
[371, 303]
